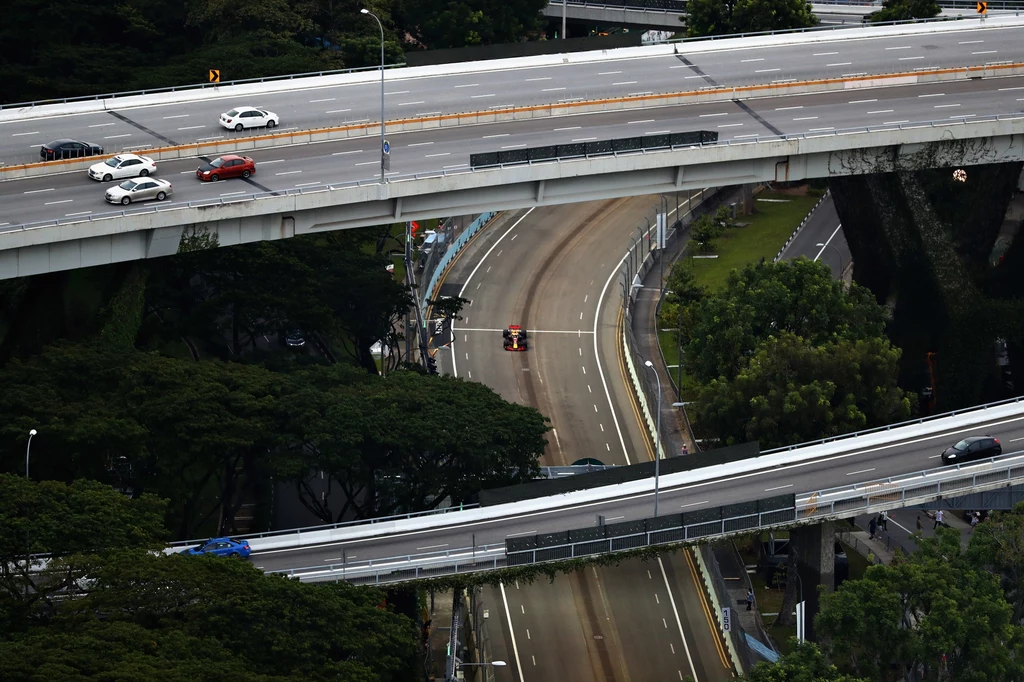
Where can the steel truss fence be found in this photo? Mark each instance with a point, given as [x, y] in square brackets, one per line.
[575, 150]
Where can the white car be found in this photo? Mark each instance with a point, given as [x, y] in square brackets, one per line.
[141, 189]
[249, 117]
[122, 166]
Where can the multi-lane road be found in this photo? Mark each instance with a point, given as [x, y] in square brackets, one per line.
[555, 272]
[698, 65]
[74, 194]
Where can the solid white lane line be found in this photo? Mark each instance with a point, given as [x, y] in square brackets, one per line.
[901, 47]
[176, 116]
[406, 104]
[467, 85]
[419, 144]
[1018, 87]
[479, 96]
[806, 118]
[766, 70]
[759, 59]
[430, 156]
[558, 130]
[862, 471]
[934, 94]
[730, 125]
[788, 108]
[608, 73]
[724, 113]
[326, 99]
[585, 139]
[48, 189]
[840, 64]
[511, 632]
[62, 201]
[488, 137]
[675, 612]
[514, 146]
[337, 111]
[985, 52]
[69, 215]
[778, 487]
[597, 355]
[945, 106]
[366, 163]
[907, 59]
[823, 54]
[693, 504]
[34, 132]
[398, 92]
[455, 371]
[649, 120]
[862, 101]
[625, 83]
[969, 42]
[552, 89]
[191, 127]
[829, 240]
[881, 111]
[114, 137]
[288, 172]
[264, 163]
[530, 80]
[354, 151]
[101, 125]
[658, 132]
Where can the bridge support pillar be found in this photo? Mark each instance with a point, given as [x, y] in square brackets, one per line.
[816, 561]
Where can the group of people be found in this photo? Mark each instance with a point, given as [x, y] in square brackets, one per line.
[876, 524]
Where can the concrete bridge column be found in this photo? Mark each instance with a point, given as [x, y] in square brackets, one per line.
[816, 564]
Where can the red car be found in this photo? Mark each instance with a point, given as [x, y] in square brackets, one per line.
[514, 338]
[224, 167]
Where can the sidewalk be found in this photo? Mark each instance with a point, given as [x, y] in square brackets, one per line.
[645, 328]
[902, 524]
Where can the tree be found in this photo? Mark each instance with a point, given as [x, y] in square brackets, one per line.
[902, 10]
[932, 615]
[461, 23]
[805, 663]
[179, 615]
[997, 545]
[704, 231]
[449, 307]
[715, 17]
[63, 521]
[406, 442]
[799, 297]
[792, 392]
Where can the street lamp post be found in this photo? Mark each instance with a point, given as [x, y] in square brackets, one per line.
[838, 253]
[657, 440]
[383, 142]
[28, 449]
[494, 664]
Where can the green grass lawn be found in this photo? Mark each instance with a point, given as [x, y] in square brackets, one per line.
[765, 233]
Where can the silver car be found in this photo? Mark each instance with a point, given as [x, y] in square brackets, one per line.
[140, 189]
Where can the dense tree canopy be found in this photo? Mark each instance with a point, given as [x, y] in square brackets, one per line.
[784, 354]
[725, 17]
[806, 663]
[935, 614]
[169, 42]
[900, 10]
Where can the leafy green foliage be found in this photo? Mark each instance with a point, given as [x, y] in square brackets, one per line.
[805, 663]
[934, 613]
[900, 10]
[185, 618]
[997, 545]
[718, 17]
[462, 23]
[787, 354]
[704, 231]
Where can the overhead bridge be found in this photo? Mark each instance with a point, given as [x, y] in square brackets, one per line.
[882, 469]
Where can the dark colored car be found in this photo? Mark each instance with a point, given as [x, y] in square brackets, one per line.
[294, 339]
[68, 149]
[220, 547]
[514, 338]
[975, 447]
[224, 167]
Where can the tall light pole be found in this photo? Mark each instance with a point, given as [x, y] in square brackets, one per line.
[383, 142]
[565, 4]
[657, 440]
[28, 449]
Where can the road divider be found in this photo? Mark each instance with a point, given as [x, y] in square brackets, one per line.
[526, 113]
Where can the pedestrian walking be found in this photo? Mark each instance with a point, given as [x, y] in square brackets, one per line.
[883, 521]
[686, 450]
[920, 528]
[938, 519]
[872, 527]
[750, 599]
[975, 518]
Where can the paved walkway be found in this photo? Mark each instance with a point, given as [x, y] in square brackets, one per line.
[645, 328]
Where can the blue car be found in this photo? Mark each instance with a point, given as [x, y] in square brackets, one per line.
[220, 547]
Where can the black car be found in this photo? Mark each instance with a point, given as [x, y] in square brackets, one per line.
[975, 447]
[68, 149]
[294, 339]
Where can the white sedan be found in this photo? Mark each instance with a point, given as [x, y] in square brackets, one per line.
[122, 166]
[249, 117]
[142, 189]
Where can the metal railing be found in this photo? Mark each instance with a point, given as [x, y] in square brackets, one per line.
[909, 422]
[350, 184]
[342, 524]
[872, 496]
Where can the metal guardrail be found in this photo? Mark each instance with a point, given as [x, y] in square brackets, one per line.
[909, 422]
[575, 150]
[269, 79]
[350, 184]
[342, 524]
[874, 496]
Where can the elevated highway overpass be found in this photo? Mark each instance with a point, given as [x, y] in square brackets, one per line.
[949, 102]
[886, 468]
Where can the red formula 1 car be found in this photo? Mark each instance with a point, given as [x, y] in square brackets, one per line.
[515, 338]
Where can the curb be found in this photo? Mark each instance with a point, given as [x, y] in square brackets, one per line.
[800, 227]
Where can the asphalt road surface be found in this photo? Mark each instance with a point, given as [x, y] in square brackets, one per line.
[554, 271]
[74, 194]
[172, 124]
[821, 239]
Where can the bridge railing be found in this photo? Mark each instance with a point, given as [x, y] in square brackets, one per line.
[326, 187]
[826, 504]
